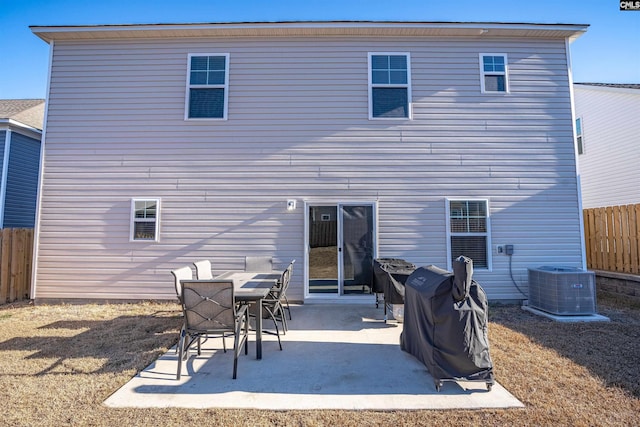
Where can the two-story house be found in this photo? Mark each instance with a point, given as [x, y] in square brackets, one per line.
[332, 143]
[607, 138]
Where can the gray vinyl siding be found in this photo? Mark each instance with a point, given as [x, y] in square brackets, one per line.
[609, 170]
[297, 128]
[22, 181]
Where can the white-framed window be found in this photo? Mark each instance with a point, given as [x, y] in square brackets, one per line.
[579, 136]
[389, 85]
[207, 86]
[468, 231]
[145, 215]
[494, 77]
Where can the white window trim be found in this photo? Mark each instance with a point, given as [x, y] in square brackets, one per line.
[408, 86]
[494, 73]
[133, 219]
[449, 233]
[190, 86]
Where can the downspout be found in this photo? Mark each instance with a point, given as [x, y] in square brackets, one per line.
[36, 226]
[5, 174]
[575, 149]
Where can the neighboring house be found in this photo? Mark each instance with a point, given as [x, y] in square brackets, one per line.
[608, 138]
[20, 135]
[331, 143]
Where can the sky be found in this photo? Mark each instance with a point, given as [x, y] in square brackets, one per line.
[608, 53]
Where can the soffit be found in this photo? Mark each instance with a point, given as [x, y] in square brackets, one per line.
[310, 29]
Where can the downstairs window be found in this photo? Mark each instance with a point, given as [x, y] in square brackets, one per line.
[468, 230]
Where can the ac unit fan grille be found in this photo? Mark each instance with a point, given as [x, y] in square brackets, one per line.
[562, 290]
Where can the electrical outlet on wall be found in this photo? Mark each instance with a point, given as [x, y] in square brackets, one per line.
[500, 249]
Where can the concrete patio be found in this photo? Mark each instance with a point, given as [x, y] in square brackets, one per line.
[334, 357]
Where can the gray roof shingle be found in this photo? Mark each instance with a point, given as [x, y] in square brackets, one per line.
[29, 112]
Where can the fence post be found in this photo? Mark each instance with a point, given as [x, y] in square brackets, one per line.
[601, 227]
[5, 257]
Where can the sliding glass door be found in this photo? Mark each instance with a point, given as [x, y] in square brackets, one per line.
[341, 248]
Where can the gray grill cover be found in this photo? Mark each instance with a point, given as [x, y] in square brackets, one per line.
[389, 277]
[445, 322]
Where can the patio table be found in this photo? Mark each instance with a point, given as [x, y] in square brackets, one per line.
[252, 288]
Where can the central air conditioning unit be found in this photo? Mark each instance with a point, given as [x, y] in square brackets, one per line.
[562, 290]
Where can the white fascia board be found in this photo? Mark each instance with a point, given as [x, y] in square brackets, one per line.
[625, 90]
[21, 128]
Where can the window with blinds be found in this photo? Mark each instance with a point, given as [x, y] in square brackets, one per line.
[468, 230]
[389, 86]
[207, 86]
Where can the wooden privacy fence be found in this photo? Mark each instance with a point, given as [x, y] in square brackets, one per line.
[323, 234]
[612, 237]
[16, 255]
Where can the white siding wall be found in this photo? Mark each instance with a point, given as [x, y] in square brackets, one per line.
[609, 171]
[298, 129]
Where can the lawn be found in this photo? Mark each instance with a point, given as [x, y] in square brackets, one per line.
[58, 363]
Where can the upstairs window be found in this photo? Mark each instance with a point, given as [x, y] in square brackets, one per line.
[493, 73]
[468, 231]
[144, 219]
[207, 86]
[389, 86]
[579, 139]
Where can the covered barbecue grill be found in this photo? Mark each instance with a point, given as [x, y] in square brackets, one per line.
[445, 324]
[389, 277]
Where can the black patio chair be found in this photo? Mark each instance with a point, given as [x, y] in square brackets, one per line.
[286, 278]
[273, 307]
[210, 308]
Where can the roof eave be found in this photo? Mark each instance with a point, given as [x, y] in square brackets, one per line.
[15, 125]
[311, 29]
[633, 89]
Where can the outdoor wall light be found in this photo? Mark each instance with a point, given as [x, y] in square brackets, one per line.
[291, 205]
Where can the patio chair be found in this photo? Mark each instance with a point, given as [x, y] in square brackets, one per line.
[273, 306]
[258, 263]
[286, 278]
[203, 272]
[272, 309]
[203, 269]
[209, 308]
[179, 274]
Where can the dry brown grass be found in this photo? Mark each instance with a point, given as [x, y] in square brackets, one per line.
[58, 363]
